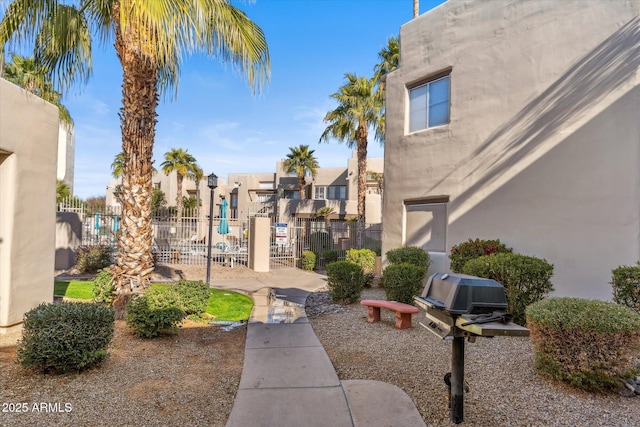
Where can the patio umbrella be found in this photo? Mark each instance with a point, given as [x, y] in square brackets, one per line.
[96, 223]
[223, 227]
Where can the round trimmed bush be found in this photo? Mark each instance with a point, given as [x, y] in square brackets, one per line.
[308, 260]
[526, 279]
[587, 343]
[472, 249]
[193, 295]
[403, 281]
[103, 288]
[410, 255]
[345, 281]
[156, 311]
[625, 281]
[69, 336]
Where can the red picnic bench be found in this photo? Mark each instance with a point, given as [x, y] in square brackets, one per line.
[403, 311]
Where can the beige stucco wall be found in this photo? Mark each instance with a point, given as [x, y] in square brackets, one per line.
[28, 156]
[542, 147]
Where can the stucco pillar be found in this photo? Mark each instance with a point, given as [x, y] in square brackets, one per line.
[28, 151]
[259, 243]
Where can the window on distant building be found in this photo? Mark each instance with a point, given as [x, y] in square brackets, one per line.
[264, 198]
[429, 104]
[319, 193]
[266, 185]
[337, 192]
[291, 194]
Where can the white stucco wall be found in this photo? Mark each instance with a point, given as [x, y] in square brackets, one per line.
[543, 144]
[28, 157]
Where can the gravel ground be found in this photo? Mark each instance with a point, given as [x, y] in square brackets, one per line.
[504, 389]
[187, 379]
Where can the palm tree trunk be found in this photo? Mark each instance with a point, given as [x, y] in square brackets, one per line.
[362, 182]
[134, 261]
[179, 205]
[301, 185]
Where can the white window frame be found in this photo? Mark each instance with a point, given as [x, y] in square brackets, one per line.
[415, 107]
[319, 192]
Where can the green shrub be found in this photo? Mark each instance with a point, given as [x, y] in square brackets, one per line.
[625, 281]
[103, 289]
[330, 256]
[366, 259]
[472, 249]
[525, 279]
[157, 311]
[345, 281]
[193, 296]
[64, 337]
[93, 258]
[403, 281]
[308, 260]
[319, 242]
[587, 343]
[410, 255]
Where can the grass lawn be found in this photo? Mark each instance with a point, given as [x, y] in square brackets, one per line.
[223, 305]
[78, 289]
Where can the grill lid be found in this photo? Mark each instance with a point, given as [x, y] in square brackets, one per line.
[463, 294]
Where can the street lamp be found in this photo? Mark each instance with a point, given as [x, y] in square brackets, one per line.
[212, 183]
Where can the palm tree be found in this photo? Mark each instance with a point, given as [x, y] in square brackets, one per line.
[326, 212]
[182, 163]
[62, 191]
[360, 107]
[151, 39]
[389, 57]
[25, 73]
[196, 174]
[117, 167]
[301, 162]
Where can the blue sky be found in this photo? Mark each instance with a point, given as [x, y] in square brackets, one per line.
[312, 44]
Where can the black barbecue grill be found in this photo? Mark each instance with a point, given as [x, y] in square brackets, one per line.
[458, 306]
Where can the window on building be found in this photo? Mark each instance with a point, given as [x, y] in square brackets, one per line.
[429, 104]
[264, 198]
[319, 193]
[291, 194]
[337, 192]
[267, 185]
[426, 225]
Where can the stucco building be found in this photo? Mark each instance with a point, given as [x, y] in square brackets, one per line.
[28, 153]
[265, 194]
[519, 120]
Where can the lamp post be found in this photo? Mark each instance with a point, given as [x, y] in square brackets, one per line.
[212, 183]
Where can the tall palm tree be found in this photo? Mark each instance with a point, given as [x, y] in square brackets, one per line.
[32, 77]
[389, 57]
[196, 174]
[302, 163]
[360, 107]
[151, 39]
[182, 163]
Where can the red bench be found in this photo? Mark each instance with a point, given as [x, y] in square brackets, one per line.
[403, 311]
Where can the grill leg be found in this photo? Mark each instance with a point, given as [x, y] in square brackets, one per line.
[457, 380]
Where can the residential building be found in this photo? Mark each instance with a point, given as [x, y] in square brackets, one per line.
[27, 199]
[276, 194]
[518, 120]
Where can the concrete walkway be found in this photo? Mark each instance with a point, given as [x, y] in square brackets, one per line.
[288, 379]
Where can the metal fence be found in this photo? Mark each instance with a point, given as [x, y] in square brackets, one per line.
[288, 241]
[184, 240]
[175, 240]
